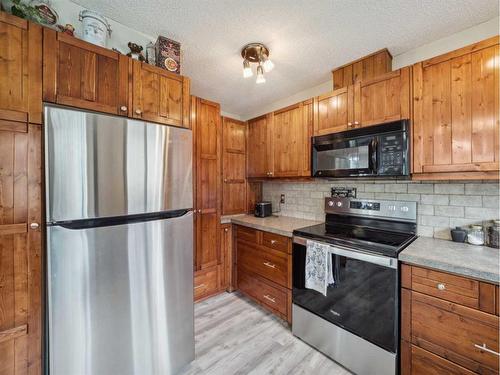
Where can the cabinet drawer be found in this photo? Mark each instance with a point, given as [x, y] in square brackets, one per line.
[275, 241]
[246, 234]
[426, 363]
[205, 283]
[262, 291]
[452, 288]
[271, 264]
[455, 332]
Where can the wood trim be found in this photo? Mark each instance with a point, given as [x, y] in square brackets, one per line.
[405, 358]
[364, 57]
[406, 276]
[462, 51]
[123, 85]
[489, 175]
[417, 136]
[160, 71]
[9, 229]
[342, 90]
[13, 115]
[471, 167]
[13, 333]
[186, 107]
[380, 78]
[290, 107]
[406, 314]
[13, 126]
[50, 56]
[71, 40]
[82, 103]
[35, 69]
[13, 20]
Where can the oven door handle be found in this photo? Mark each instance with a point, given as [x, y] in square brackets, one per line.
[364, 257]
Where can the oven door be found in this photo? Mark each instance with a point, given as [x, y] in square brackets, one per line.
[344, 157]
[364, 298]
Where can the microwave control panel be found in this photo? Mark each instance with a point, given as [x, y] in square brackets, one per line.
[391, 160]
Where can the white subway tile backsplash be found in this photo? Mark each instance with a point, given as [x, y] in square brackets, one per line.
[440, 205]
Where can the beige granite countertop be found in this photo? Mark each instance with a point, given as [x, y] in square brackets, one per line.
[478, 262]
[226, 219]
[283, 225]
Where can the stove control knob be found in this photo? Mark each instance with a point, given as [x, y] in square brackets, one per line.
[330, 203]
[339, 204]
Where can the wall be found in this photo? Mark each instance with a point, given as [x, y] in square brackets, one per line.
[472, 35]
[440, 205]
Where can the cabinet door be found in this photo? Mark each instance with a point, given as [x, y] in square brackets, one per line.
[207, 148]
[233, 166]
[83, 75]
[382, 99]
[259, 148]
[333, 111]
[160, 96]
[227, 251]
[20, 70]
[20, 247]
[456, 127]
[290, 137]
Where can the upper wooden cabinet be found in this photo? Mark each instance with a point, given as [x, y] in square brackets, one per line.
[20, 70]
[456, 119]
[382, 99]
[279, 142]
[83, 75]
[290, 139]
[159, 95]
[368, 102]
[333, 111]
[233, 166]
[365, 68]
[258, 146]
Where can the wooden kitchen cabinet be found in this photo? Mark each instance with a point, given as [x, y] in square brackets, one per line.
[448, 323]
[333, 112]
[365, 68]
[385, 98]
[456, 114]
[83, 75]
[279, 142]
[234, 182]
[259, 163]
[226, 235]
[20, 70]
[382, 99]
[159, 95]
[264, 269]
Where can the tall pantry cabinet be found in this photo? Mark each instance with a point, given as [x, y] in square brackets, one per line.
[209, 259]
[20, 196]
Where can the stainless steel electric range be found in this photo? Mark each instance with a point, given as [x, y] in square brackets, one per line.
[357, 322]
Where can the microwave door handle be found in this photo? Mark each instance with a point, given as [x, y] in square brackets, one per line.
[373, 154]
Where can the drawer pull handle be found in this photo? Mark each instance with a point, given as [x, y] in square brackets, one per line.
[484, 348]
[200, 286]
[270, 265]
[273, 242]
[441, 286]
[269, 298]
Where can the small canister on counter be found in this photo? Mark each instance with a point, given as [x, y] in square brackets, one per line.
[476, 235]
[494, 234]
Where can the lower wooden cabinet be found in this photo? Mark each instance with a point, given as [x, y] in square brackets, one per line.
[206, 282]
[449, 324]
[264, 266]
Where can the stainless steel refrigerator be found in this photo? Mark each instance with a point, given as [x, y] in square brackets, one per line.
[119, 245]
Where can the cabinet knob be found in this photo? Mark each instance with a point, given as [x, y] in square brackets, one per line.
[225, 180]
[199, 211]
[269, 298]
[138, 111]
[441, 286]
[226, 230]
[356, 122]
[273, 242]
[349, 124]
[34, 226]
[123, 108]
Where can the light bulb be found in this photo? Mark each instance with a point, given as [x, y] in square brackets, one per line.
[268, 65]
[260, 75]
[247, 71]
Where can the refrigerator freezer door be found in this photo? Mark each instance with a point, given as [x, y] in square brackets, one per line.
[101, 166]
[121, 298]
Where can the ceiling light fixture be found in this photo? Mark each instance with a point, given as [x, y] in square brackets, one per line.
[256, 53]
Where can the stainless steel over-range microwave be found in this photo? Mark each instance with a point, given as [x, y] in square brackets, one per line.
[375, 151]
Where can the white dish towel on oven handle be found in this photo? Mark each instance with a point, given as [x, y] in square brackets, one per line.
[319, 267]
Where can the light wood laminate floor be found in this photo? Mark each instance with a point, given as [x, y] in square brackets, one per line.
[235, 336]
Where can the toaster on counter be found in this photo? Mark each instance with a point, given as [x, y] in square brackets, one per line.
[263, 209]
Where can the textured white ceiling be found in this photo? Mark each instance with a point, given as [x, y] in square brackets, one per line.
[307, 38]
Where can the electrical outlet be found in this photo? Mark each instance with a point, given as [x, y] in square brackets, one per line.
[282, 198]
